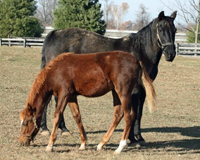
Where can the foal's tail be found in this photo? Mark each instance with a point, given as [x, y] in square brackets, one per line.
[149, 88]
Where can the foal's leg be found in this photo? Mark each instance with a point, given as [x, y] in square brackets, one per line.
[73, 104]
[117, 116]
[129, 116]
[62, 125]
[61, 104]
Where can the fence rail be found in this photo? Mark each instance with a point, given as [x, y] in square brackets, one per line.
[26, 42]
[181, 48]
[188, 49]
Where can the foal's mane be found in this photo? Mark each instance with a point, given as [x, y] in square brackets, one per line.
[40, 82]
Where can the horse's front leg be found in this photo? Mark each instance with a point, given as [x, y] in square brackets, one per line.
[137, 102]
[73, 104]
[62, 102]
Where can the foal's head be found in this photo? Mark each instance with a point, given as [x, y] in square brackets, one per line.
[29, 127]
[166, 35]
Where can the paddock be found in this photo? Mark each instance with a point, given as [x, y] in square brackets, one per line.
[171, 132]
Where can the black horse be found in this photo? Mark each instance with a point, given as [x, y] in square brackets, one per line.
[147, 45]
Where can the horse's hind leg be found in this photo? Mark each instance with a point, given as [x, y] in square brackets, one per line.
[117, 116]
[61, 104]
[129, 116]
[73, 104]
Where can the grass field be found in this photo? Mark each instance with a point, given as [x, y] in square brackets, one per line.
[171, 132]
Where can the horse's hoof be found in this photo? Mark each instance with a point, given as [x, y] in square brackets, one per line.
[117, 152]
[82, 147]
[99, 147]
[137, 144]
[45, 133]
[66, 133]
[49, 149]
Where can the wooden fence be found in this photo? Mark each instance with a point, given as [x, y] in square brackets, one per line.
[25, 42]
[188, 49]
[181, 48]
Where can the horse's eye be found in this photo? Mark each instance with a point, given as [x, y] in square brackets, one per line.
[25, 123]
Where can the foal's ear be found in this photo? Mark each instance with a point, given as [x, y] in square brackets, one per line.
[22, 115]
[173, 15]
[29, 108]
[161, 15]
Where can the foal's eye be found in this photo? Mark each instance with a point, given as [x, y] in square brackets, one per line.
[25, 123]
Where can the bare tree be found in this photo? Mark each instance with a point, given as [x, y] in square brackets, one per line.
[106, 10]
[189, 14]
[115, 15]
[143, 18]
[45, 11]
[188, 11]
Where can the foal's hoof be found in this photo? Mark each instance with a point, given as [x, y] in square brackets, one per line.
[116, 152]
[49, 149]
[99, 147]
[82, 147]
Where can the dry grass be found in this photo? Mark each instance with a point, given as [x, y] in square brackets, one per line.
[171, 132]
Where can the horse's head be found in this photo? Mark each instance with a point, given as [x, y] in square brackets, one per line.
[29, 127]
[166, 35]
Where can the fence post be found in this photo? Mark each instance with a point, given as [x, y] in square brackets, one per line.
[177, 49]
[24, 43]
[195, 54]
[9, 43]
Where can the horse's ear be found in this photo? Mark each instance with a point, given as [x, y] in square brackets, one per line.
[22, 114]
[161, 15]
[173, 15]
[29, 107]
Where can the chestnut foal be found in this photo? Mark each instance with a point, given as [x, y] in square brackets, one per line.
[90, 75]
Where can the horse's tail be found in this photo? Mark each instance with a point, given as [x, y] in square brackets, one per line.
[149, 88]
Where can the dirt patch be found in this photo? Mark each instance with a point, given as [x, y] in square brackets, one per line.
[171, 132]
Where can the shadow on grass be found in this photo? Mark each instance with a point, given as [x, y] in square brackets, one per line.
[193, 143]
[187, 131]
[183, 146]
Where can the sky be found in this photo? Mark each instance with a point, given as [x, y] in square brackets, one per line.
[154, 7]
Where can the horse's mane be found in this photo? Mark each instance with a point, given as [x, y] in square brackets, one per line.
[147, 27]
[37, 86]
[39, 83]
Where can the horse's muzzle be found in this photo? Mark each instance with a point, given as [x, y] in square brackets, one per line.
[170, 54]
[169, 57]
[24, 141]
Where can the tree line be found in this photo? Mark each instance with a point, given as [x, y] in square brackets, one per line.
[21, 18]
